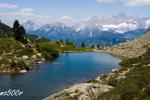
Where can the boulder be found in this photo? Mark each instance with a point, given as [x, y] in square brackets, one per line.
[23, 71]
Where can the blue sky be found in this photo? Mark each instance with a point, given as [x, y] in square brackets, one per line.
[69, 9]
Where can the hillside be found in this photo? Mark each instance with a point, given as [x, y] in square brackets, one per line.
[5, 31]
[130, 49]
[17, 56]
[133, 84]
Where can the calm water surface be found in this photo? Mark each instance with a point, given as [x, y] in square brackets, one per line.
[51, 77]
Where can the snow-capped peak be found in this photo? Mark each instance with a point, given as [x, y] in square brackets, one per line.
[30, 25]
[120, 28]
[120, 23]
[58, 24]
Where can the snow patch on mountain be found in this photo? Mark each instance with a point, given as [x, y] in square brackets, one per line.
[31, 26]
[147, 23]
[120, 23]
[120, 28]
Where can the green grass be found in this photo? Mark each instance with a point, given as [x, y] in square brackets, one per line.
[49, 50]
[136, 85]
[26, 51]
[9, 44]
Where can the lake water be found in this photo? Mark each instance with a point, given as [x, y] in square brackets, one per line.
[51, 77]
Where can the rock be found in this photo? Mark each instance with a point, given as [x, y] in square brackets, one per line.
[121, 77]
[25, 57]
[34, 56]
[39, 62]
[83, 97]
[43, 59]
[39, 54]
[23, 71]
[115, 70]
[23, 45]
[136, 64]
[148, 65]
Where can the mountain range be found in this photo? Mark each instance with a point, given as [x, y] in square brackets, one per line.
[98, 29]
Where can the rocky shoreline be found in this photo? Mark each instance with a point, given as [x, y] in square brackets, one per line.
[82, 91]
[27, 63]
[90, 90]
[14, 71]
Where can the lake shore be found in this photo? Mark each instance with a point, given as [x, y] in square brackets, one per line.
[129, 49]
[29, 64]
[89, 90]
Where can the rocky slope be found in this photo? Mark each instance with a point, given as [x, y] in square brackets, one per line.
[84, 91]
[130, 49]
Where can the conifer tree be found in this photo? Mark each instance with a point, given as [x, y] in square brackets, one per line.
[83, 45]
[19, 31]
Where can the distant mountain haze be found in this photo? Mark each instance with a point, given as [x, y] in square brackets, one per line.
[95, 30]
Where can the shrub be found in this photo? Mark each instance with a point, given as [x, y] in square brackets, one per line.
[20, 65]
[49, 50]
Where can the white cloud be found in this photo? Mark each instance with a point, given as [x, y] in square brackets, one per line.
[105, 1]
[7, 5]
[27, 10]
[128, 2]
[23, 15]
[137, 2]
[66, 18]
